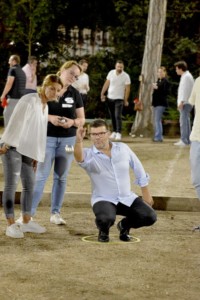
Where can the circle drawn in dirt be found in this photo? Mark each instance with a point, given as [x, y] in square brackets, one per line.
[93, 239]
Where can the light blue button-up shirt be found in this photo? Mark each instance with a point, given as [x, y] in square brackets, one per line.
[110, 176]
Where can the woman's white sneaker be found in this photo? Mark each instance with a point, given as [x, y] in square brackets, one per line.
[32, 226]
[56, 219]
[14, 231]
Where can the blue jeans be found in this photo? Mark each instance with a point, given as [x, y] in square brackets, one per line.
[15, 166]
[55, 153]
[115, 109]
[158, 128]
[185, 125]
[195, 166]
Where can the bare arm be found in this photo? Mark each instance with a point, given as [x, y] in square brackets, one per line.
[127, 94]
[80, 120]
[146, 195]
[78, 148]
[104, 89]
[8, 86]
[33, 69]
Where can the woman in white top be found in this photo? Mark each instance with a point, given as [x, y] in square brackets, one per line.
[24, 142]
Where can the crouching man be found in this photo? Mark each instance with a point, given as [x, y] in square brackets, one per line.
[107, 164]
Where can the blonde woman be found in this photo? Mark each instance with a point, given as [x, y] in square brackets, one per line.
[64, 118]
[24, 142]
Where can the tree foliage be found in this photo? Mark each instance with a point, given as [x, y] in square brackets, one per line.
[33, 26]
[28, 21]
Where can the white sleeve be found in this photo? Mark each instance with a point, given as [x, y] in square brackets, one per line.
[13, 129]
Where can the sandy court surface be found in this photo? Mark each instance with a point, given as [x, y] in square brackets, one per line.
[59, 264]
[68, 263]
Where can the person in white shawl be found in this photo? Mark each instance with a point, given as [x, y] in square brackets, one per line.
[23, 145]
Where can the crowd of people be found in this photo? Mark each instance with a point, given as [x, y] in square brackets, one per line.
[44, 129]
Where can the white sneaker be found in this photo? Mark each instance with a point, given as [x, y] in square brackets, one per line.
[20, 220]
[180, 143]
[14, 231]
[118, 136]
[56, 219]
[32, 226]
[113, 135]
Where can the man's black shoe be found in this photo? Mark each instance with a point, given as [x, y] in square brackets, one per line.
[124, 233]
[103, 236]
[196, 228]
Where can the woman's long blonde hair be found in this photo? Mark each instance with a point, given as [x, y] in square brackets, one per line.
[68, 64]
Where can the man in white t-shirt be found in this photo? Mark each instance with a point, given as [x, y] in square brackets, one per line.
[184, 107]
[82, 84]
[117, 86]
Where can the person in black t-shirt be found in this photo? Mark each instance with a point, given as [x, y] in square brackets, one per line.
[14, 88]
[64, 117]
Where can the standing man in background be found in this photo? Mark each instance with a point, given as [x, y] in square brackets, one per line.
[82, 84]
[118, 85]
[14, 88]
[31, 78]
[184, 107]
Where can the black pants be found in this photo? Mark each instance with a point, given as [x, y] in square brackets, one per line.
[139, 214]
[115, 109]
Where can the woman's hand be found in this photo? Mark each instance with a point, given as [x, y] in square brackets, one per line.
[4, 148]
[66, 123]
[55, 120]
[61, 121]
[34, 164]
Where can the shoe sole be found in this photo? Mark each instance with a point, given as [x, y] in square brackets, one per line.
[15, 237]
[103, 241]
[33, 231]
[61, 223]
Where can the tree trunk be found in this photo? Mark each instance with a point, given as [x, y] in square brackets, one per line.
[151, 62]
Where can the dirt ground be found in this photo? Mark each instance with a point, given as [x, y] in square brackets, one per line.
[67, 262]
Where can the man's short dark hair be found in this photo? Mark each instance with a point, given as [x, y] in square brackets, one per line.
[31, 59]
[181, 65]
[82, 61]
[98, 123]
[119, 61]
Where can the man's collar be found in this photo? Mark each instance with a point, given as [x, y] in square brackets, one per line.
[99, 151]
